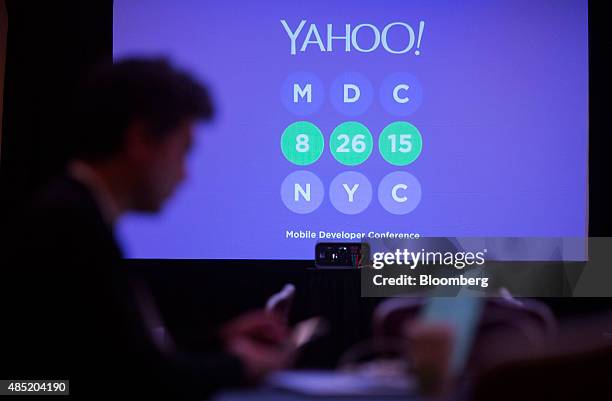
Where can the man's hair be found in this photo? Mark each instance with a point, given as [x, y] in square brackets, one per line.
[115, 95]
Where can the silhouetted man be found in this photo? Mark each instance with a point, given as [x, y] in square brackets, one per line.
[76, 314]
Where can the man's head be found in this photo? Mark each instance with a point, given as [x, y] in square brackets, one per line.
[137, 117]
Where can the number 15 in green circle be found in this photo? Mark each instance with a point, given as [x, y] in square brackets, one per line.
[302, 143]
[400, 143]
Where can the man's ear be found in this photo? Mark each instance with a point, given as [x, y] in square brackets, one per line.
[138, 145]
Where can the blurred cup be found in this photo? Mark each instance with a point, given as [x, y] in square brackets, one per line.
[430, 346]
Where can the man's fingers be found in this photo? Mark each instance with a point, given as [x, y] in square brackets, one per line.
[259, 325]
[259, 359]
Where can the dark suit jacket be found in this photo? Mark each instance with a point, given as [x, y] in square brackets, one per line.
[74, 315]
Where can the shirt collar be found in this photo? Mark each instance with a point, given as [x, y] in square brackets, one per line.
[87, 176]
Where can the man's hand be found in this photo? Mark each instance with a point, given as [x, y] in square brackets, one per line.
[261, 340]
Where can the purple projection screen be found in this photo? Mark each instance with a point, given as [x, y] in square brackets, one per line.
[343, 120]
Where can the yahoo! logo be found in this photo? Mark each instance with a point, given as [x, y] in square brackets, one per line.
[355, 37]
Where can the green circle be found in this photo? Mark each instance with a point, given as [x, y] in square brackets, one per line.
[302, 143]
[400, 143]
[351, 143]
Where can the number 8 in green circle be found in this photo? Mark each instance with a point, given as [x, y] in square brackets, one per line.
[302, 143]
[400, 143]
